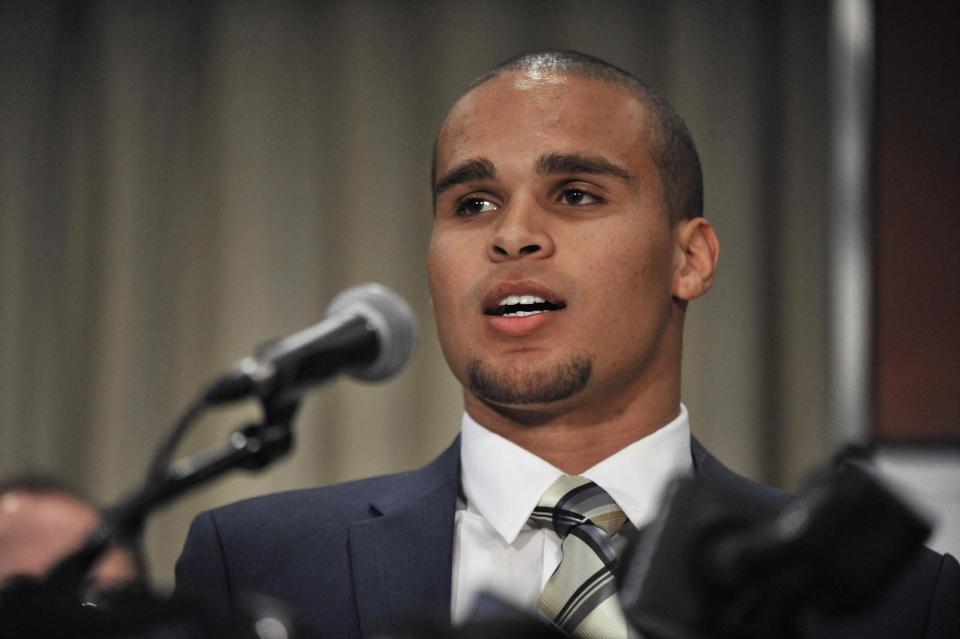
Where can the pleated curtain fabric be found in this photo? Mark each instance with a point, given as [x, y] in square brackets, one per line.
[581, 596]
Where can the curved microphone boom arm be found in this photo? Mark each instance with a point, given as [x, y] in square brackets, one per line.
[252, 447]
[368, 333]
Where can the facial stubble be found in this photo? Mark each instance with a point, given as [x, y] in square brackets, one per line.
[529, 385]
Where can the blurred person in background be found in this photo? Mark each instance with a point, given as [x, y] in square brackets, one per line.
[42, 520]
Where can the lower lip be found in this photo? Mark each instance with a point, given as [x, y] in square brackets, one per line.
[519, 326]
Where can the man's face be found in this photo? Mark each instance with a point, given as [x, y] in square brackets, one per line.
[547, 195]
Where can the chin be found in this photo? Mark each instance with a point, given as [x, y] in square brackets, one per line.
[526, 384]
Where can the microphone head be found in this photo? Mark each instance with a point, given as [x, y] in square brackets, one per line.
[390, 317]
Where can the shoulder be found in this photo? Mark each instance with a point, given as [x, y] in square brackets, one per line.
[294, 546]
[337, 504]
[709, 468]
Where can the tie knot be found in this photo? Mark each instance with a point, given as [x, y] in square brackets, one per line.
[571, 501]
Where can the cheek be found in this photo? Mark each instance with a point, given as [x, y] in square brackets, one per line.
[446, 274]
[639, 269]
[455, 264]
[439, 271]
[446, 291]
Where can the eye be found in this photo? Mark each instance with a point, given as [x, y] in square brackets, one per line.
[473, 205]
[579, 197]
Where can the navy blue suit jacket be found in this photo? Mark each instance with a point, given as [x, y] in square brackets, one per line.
[354, 558]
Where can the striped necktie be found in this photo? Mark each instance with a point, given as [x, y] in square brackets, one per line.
[581, 595]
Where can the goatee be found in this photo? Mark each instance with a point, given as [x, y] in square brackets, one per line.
[529, 386]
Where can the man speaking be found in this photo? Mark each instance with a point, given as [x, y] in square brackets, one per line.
[568, 239]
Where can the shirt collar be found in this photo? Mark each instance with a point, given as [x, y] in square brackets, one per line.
[503, 482]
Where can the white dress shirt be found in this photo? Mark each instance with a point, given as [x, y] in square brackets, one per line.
[494, 547]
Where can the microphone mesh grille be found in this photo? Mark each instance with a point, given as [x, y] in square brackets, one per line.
[390, 317]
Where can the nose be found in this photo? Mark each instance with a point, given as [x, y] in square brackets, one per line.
[521, 232]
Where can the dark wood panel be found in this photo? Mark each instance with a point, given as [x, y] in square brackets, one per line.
[917, 230]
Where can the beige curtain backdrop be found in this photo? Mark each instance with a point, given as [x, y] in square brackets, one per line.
[180, 181]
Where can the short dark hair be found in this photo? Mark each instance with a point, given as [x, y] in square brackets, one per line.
[671, 145]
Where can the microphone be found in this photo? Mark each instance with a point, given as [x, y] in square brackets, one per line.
[368, 333]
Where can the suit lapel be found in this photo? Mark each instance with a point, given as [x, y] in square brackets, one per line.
[402, 557]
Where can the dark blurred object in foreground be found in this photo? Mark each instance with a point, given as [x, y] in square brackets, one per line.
[714, 565]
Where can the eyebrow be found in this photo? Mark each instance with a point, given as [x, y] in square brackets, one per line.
[483, 169]
[470, 171]
[576, 163]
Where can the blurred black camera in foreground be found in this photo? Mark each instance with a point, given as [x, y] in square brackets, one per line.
[716, 566]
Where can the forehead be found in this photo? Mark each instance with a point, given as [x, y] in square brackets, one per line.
[519, 116]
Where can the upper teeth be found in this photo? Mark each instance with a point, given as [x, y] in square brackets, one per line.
[510, 300]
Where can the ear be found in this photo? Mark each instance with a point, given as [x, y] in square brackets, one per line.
[696, 251]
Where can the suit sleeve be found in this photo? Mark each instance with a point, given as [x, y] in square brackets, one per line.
[943, 622]
[201, 572]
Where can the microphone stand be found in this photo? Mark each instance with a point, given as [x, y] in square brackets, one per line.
[253, 446]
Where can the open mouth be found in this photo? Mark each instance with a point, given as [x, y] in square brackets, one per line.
[523, 305]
